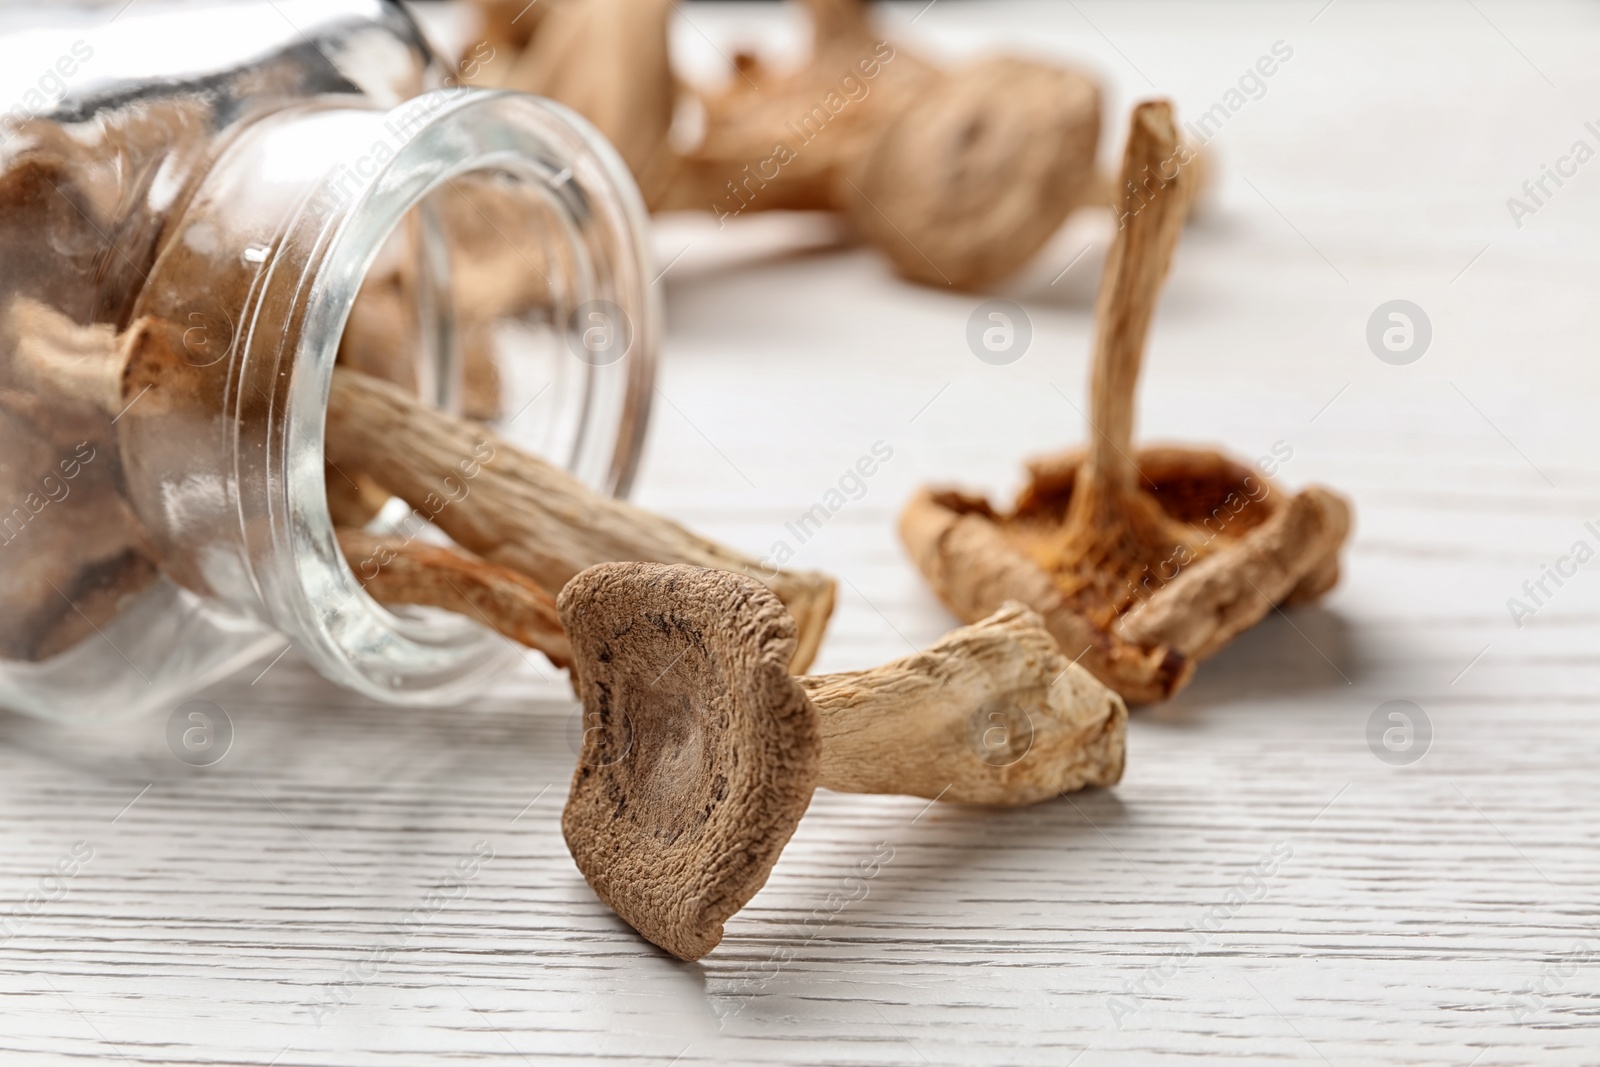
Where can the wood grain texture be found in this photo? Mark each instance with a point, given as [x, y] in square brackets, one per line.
[1438, 913]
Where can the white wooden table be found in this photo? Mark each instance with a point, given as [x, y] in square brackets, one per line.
[283, 907]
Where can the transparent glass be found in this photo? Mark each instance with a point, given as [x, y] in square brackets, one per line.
[232, 198]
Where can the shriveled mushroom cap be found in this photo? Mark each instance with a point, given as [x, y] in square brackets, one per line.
[966, 183]
[700, 753]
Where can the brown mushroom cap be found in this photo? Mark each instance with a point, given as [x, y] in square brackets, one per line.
[1262, 546]
[966, 183]
[700, 753]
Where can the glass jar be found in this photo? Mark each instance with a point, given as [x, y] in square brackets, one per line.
[259, 190]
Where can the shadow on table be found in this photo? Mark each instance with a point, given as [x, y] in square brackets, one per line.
[309, 780]
[1303, 651]
[1055, 282]
[817, 936]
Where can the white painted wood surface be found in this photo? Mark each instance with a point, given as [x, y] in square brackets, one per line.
[1441, 913]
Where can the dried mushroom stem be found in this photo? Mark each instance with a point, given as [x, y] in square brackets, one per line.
[71, 555]
[65, 364]
[1151, 207]
[701, 751]
[63, 378]
[1115, 531]
[516, 510]
[353, 501]
[399, 571]
[991, 714]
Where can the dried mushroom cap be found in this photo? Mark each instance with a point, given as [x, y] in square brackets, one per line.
[975, 174]
[966, 558]
[700, 753]
[1143, 565]
[1182, 505]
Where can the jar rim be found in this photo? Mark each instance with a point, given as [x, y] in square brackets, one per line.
[317, 599]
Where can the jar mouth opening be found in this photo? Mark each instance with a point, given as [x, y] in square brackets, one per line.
[424, 146]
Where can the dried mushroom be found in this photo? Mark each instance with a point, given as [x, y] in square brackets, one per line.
[1141, 562]
[701, 751]
[959, 176]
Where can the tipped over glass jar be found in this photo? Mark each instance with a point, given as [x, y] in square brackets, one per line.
[276, 186]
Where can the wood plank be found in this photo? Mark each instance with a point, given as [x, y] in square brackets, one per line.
[1350, 911]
